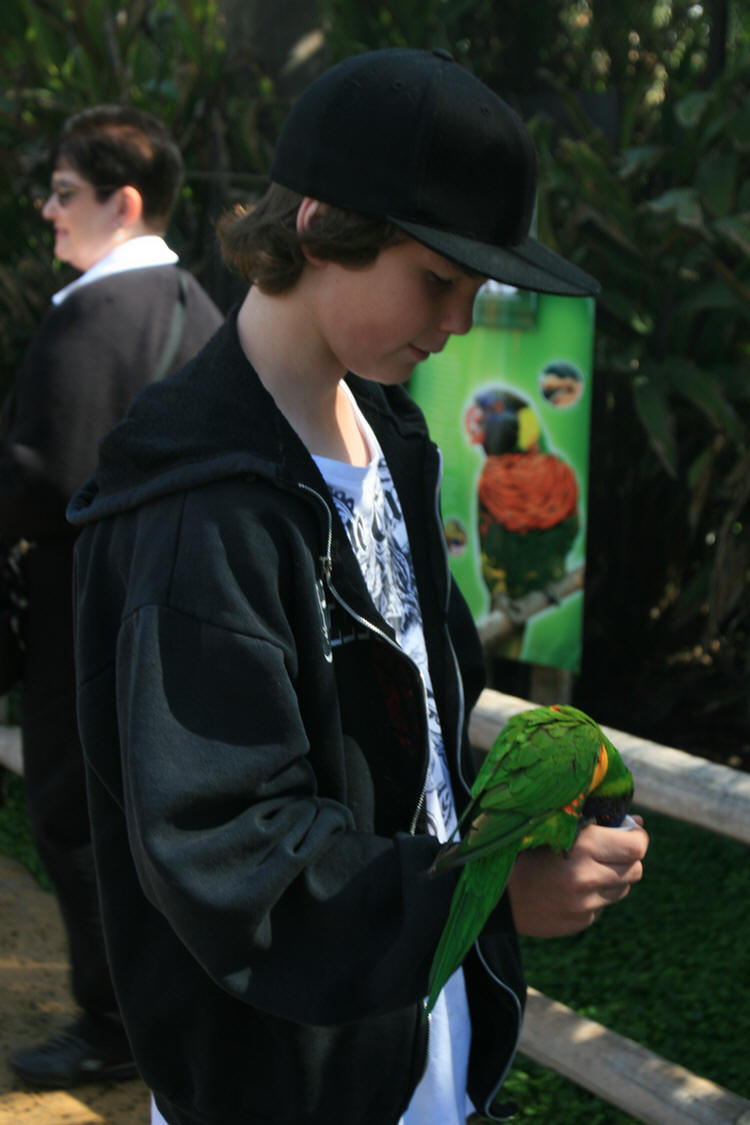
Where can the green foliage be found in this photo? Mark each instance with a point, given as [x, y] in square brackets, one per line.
[546, 1098]
[15, 833]
[663, 968]
[585, 46]
[665, 225]
[170, 57]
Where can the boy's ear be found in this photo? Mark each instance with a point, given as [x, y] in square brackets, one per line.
[129, 206]
[309, 209]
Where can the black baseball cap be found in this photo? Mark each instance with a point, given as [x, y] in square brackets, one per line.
[413, 137]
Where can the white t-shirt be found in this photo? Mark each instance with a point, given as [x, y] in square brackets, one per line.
[368, 505]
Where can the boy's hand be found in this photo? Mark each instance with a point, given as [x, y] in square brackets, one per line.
[554, 896]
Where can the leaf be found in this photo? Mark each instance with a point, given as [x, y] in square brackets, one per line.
[699, 478]
[689, 110]
[741, 126]
[703, 389]
[735, 381]
[683, 202]
[652, 406]
[641, 158]
[715, 179]
[735, 230]
[710, 295]
[620, 304]
[593, 173]
[609, 226]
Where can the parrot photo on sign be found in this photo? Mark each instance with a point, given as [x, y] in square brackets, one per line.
[549, 771]
[528, 497]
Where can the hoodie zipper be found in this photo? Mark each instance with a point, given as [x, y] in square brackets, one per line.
[326, 581]
[327, 566]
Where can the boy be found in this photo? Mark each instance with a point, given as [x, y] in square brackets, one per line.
[116, 175]
[275, 667]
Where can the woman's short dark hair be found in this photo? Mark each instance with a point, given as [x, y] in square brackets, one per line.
[113, 145]
[261, 240]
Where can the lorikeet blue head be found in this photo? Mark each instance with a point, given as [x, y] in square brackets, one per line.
[611, 790]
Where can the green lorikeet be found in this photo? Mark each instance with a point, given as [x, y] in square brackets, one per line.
[550, 770]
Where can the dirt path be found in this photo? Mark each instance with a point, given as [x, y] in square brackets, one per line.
[34, 999]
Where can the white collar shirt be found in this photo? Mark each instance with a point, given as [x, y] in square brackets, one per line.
[135, 254]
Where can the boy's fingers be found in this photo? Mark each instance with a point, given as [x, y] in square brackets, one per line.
[609, 846]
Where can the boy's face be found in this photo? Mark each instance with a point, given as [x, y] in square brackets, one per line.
[381, 320]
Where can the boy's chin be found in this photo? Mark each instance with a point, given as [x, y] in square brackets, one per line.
[390, 376]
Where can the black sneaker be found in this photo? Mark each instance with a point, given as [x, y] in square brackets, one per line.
[69, 1059]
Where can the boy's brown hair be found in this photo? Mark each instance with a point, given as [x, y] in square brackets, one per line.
[262, 242]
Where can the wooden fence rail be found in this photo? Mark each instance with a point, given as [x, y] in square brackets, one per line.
[644, 1085]
[622, 1072]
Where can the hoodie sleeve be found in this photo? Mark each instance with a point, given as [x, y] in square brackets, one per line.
[259, 866]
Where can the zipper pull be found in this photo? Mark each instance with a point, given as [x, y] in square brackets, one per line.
[325, 610]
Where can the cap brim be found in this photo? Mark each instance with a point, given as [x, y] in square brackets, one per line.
[529, 265]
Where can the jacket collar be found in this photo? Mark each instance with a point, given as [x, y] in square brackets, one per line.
[215, 419]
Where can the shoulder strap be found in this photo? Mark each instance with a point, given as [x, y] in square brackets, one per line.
[175, 331]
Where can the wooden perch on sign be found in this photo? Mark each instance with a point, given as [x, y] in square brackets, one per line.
[503, 622]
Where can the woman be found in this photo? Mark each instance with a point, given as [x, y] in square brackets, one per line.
[130, 316]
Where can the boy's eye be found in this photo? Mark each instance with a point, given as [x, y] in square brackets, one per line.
[440, 282]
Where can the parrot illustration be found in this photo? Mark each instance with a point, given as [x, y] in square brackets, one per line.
[528, 497]
[561, 384]
[550, 770]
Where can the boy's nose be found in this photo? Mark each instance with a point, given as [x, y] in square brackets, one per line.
[458, 315]
[50, 206]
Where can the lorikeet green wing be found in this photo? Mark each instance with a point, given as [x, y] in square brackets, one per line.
[548, 767]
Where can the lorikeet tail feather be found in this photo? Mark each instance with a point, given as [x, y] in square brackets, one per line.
[478, 890]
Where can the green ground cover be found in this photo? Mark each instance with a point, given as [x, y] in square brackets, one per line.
[15, 834]
[669, 967]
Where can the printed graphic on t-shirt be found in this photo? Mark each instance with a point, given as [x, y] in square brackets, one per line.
[369, 508]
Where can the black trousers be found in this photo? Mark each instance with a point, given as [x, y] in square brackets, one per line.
[54, 774]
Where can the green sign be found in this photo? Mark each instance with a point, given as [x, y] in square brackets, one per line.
[509, 405]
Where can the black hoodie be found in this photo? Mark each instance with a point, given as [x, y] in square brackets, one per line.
[256, 750]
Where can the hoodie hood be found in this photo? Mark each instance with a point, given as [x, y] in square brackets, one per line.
[211, 420]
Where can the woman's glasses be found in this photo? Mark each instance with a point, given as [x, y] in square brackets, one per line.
[65, 193]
